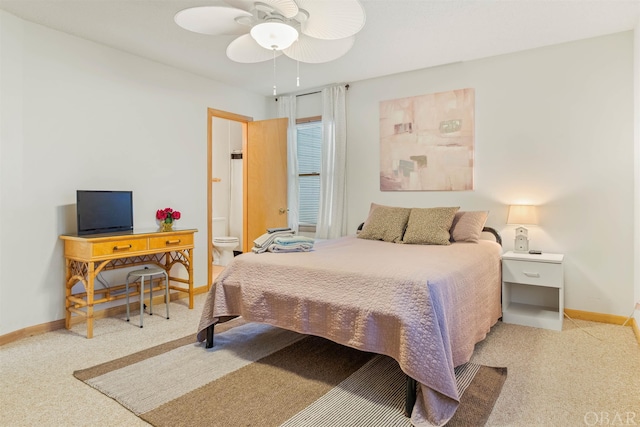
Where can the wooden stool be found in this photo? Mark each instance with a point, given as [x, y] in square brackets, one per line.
[148, 272]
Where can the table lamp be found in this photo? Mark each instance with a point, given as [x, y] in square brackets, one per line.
[521, 215]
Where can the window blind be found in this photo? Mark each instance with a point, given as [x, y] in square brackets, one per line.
[309, 137]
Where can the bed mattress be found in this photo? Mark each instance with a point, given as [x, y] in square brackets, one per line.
[424, 305]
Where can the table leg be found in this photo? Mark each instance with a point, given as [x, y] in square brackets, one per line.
[190, 269]
[67, 292]
[91, 275]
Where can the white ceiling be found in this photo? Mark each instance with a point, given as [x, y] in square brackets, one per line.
[398, 35]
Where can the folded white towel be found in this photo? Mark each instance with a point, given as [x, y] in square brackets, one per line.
[299, 247]
[257, 250]
[266, 239]
[293, 240]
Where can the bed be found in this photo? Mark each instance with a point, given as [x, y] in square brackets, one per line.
[424, 305]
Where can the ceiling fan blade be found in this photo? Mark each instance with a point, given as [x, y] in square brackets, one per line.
[287, 8]
[315, 51]
[212, 20]
[245, 49]
[332, 19]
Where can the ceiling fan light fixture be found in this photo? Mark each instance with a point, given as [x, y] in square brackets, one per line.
[274, 35]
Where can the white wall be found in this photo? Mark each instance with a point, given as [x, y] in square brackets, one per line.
[636, 120]
[309, 105]
[79, 115]
[554, 127]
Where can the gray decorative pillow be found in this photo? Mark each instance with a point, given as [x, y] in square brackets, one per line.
[429, 226]
[385, 223]
[467, 226]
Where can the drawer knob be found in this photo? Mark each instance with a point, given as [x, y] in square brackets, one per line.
[530, 274]
[122, 247]
[173, 242]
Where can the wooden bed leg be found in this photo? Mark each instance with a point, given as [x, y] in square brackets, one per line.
[209, 337]
[410, 396]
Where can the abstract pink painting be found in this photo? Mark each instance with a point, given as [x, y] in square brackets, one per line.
[427, 142]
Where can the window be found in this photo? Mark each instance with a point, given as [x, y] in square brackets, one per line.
[309, 137]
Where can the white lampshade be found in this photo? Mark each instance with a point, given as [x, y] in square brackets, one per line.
[274, 35]
[522, 214]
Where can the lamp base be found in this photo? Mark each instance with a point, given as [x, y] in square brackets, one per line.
[521, 244]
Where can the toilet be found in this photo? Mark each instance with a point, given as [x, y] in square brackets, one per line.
[223, 246]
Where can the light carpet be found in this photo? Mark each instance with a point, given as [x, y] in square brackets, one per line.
[258, 375]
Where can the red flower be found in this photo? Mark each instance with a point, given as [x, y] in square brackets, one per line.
[167, 215]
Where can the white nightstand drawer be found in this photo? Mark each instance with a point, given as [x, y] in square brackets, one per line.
[532, 273]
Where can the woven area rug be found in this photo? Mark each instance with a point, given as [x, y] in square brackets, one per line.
[258, 375]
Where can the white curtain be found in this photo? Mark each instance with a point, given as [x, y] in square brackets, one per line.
[332, 217]
[287, 108]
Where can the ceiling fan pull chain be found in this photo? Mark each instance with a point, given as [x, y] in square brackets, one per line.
[298, 73]
[274, 73]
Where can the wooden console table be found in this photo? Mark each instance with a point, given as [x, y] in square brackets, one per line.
[86, 256]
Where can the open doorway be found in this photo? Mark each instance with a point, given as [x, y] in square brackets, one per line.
[264, 179]
[223, 177]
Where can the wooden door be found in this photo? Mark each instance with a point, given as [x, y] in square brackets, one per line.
[265, 178]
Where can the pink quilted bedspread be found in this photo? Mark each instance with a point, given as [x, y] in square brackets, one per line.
[426, 306]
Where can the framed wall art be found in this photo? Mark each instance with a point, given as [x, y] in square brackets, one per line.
[427, 142]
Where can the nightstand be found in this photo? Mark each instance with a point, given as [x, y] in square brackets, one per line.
[533, 290]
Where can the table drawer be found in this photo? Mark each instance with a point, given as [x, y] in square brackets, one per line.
[532, 273]
[171, 241]
[119, 247]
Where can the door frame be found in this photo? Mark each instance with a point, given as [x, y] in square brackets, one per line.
[211, 113]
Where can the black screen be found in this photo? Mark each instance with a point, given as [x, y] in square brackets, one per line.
[104, 211]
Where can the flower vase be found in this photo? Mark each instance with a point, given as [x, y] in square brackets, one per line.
[166, 226]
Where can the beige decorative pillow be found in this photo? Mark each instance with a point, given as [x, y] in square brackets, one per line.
[385, 223]
[467, 226]
[429, 226]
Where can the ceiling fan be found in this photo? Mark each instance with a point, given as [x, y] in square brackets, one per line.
[312, 31]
